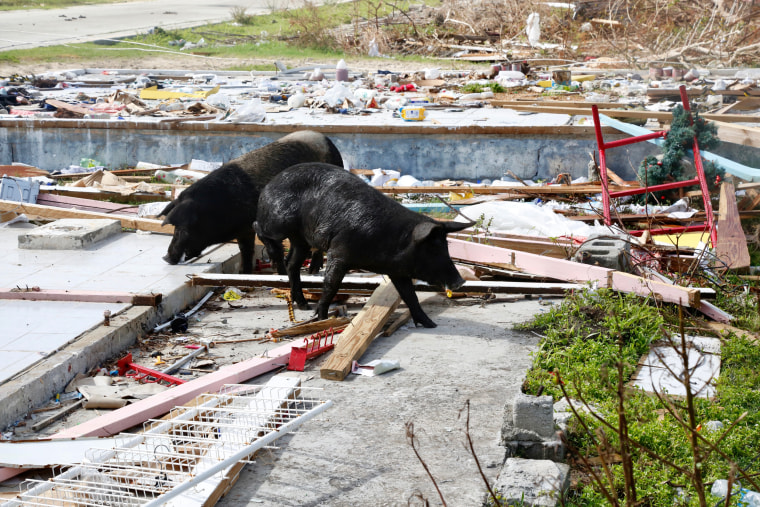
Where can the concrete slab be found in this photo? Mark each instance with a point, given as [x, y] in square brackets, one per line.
[69, 234]
[45, 343]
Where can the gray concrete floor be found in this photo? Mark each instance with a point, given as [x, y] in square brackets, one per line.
[357, 452]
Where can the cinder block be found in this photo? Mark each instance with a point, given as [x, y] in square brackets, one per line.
[535, 413]
[69, 234]
[608, 252]
[532, 482]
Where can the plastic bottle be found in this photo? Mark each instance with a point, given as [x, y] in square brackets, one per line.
[720, 488]
[749, 498]
[341, 71]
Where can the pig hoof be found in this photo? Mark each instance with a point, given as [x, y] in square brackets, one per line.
[303, 306]
[425, 323]
[169, 260]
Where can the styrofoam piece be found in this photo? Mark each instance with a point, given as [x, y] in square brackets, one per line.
[69, 234]
[19, 189]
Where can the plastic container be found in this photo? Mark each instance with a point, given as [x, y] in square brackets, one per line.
[412, 113]
[341, 71]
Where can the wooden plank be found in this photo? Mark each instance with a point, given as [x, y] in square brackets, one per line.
[56, 415]
[738, 134]
[539, 246]
[583, 188]
[362, 283]
[22, 171]
[62, 201]
[731, 250]
[356, 338]
[88, 193]
[574, 271]
[86, 296]
[53, 213]
[661, 291]
[63, 106]
[662, 116]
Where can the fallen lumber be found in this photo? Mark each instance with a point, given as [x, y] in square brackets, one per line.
[78, 203]
[84, 296]
[363, 283]
[576, 272]
[37, 211]
[355, 339]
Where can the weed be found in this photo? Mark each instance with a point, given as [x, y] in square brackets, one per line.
[240, 15]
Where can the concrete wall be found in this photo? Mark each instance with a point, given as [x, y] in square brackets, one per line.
[424, 153]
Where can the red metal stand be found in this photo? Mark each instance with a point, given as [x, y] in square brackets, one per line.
[143, 374]
[700, 180]
[299, 355]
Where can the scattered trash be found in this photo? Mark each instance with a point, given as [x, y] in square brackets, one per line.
[375, 367]
[232, 294]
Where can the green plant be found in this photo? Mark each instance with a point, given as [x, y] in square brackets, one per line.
[240, 15]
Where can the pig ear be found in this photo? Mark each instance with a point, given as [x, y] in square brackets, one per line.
[455, 226]
[167, 209]
[423, 230]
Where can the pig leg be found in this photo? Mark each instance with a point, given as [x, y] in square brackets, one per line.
[316, 262]
[405, 289]
[334, 273]
[276, 254]
[299, 250]
[246, 243]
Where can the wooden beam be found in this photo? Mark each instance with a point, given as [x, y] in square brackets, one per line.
[731, 250]
[361, 283]
[85, 296]
[62, 201]
[541, 246]
[356, 338]
[63, 106]
[626, 113]
[574, 271]
[399, 321]
[53, 213]
[583, 188]
[738, 134]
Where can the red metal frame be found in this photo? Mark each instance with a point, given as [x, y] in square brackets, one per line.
[699, 180]
[143, 374]
[299, 355]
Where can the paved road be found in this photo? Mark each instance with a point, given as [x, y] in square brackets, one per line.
[33, 28]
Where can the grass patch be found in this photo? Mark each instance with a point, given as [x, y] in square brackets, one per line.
[584, 339]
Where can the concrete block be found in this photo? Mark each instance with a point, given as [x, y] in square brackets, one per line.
[608, 252]
[69, 234]
[535, 413]
[533, 482]
[553, 450]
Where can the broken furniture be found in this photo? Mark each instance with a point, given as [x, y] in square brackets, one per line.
[127, 368]
[700, 180]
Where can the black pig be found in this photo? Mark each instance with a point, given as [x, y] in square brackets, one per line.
[324, 207]
[222, 206]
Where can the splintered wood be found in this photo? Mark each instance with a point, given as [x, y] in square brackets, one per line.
[356, 338]
[731, 250]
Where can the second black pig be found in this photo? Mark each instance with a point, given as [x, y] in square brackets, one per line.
[222, 206]
[324, 207]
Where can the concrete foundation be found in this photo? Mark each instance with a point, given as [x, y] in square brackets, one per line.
[429, 152]
[528, 429]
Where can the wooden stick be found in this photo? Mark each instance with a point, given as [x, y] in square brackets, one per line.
[311, 327]
[56, 415]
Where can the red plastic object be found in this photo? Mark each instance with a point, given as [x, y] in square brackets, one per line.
[699, 180]
[299, 355]
[143, 374]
